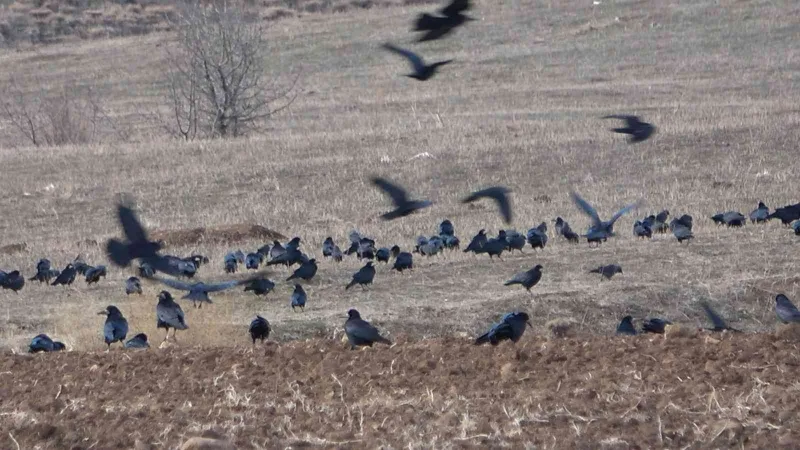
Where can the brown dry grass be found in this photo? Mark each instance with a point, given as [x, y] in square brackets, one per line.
[519, 107]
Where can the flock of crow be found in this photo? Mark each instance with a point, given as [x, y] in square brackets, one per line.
[178, 273]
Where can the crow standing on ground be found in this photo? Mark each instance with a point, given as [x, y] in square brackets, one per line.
[626, 327]
[786, 214]
[527, 279]
[403, 261]
[759, 214]
[729, 218]
[682, 228]
[363, 277]
[383, 254]
[438, 26]
[607, 271]
[260, 286]
[642, 230]
[116, 326]
[786, 310]
[306, 271]
[138, 341]
[422, 72]
[133, 286]
[169, 315]
[477, 242]
[639, 131]
[66, 277]
[299, 297]
[537, 237]
[511, 327]
[360, 332]
[259, 329]
[253, 260]
[43, 343]
[655, 325]
[12, 280]
[403, 206]
[93, 274]
[44, 271]
[497, 193]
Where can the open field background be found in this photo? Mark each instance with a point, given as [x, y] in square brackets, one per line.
[520, 106]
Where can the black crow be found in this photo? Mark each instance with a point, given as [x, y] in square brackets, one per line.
[360, 332]
[66, 277]
[116, 326]
[306, 271]
[259, 329]
[403, 261]
[383, 254]
[600, 229]
[511, 327]
[607, 271]
[626, 326]
[639, 131]
[422, 72]
[477, 242]
[655, 325]
[133, 286]
[786, 310]
[497, 193]
[198, 292]
[231, 263]
[438, 26]
[138, 341]
[253, 260]
[716, 319]
[93, 274]
[12, 280]
[299, 298]
[402, 204]
[169, 314]
[537, 237]
[363, 277]
[759, 214]
[527, 279]
[260, 286]
[43, 343]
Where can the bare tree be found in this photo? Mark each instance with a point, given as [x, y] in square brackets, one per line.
[216, 82]
[71, 115]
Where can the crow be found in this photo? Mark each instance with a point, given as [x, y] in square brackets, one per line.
[437, 26]
[537, 237]
[446, 228]
[730, 219]
[116, 326]
[607, 271]
[306, 271]
[363, 277]
[259, 329]
[716, 319]
[626, 326]
[511, 327]
[93, 274]
[759, 214]
[786, 310]
[477, 242]
[66, 277]
[642, 230]
[327, 247]
[138, 341]
[198, 292]
[600, 229]
[422, 72]
[639, 131]
[133, 286]
[169, 314]
[43, 271]
[253, 260]
[383, 254]
[299, 298]
[403, 206]
[12, 280]
[231, 263]
[403, 261]
[260, 286]
[497, 193]
[514, 241]
[360, 332]
[655, 325]
[527, 279]
[43, 343]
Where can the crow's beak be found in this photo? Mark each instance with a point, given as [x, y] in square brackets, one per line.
[102, 313]
[529, 324]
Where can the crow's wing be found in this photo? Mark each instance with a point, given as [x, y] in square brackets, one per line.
[133, 229]
[415, 60]
[456, 7]
[587, 208]
[624, 210]
[398, 194]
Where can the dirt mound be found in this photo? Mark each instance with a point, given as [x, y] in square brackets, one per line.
[218, 235]
[639, 392]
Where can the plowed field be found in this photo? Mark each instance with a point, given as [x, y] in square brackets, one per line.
[643, 392]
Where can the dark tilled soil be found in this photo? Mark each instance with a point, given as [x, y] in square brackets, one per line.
[700, 391]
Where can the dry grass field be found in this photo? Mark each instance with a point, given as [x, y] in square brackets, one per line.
[521, 107]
